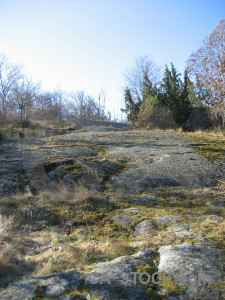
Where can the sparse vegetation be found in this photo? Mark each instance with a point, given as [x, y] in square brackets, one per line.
[209, 144]
[60, 228]
[72, 228]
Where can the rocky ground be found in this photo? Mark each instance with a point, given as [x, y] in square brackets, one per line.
[119, 210]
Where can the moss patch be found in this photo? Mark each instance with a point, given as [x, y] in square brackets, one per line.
[209, 146]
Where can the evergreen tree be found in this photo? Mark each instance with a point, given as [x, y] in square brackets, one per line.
[176, 94]
[131, 108]
[170, 102]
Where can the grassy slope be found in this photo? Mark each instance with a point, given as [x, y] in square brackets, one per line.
[36, 234]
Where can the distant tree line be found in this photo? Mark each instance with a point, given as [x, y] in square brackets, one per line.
[21, 100]
[156, 99]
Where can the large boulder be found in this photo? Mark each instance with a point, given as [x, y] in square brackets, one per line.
[200, 118]
[195, 266]
[115, 279]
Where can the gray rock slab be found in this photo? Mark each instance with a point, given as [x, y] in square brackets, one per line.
[157, 159]
[143, 227]
[109, 278]
[213, 209]
[189, 263]
[59, 172]
[70, 179]
[216, 202]
[122, 219]
[161, 221]
[201, 213]
[52, 286]
[170, 155]
[12, 183]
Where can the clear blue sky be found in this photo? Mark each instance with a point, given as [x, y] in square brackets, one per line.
[89, 44]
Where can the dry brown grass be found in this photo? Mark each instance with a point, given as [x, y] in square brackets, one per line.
[221, 186]
[113, 249]
[5, 225]
[219, 231]
[210, 135]
[77, 194]
[52, 249]
[82, 254]
[212, 229]
[161, 239]
[10, 259]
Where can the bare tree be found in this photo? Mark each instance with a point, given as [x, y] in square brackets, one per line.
[134, 77]
[21, 99]
[86, 107]
[23, 96]
[207, 66]
[10, 75]
[50, 106]
[101, 103]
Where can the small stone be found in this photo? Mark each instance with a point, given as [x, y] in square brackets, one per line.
[122, 219]
[161, 221]
[144, 254]
[143, 227]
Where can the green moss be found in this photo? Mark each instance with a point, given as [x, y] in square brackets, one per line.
[155, 256]
[220, 285]
[150, 269]
[171, 289]
[210, 151]
[210, 147]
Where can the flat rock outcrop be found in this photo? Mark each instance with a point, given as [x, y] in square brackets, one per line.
[147, 160]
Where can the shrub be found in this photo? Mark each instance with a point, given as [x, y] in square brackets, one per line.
[23, 124]
[157, 117]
